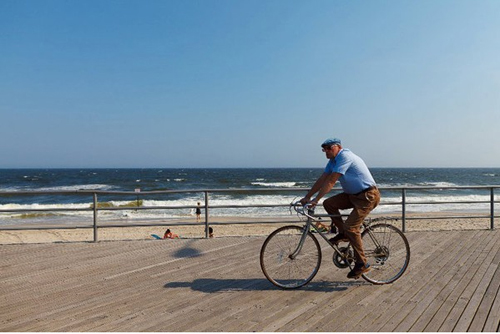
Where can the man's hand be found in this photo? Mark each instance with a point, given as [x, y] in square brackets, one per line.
[313, 203]
[305, 200]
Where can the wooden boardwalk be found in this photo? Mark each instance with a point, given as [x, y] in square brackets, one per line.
[216, 285]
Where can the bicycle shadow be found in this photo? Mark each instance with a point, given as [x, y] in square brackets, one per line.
[212, 285]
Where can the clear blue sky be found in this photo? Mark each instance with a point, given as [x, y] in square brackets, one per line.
[214, 83]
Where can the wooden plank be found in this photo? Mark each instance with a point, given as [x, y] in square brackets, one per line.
[478, 256]
[327, 319]
[71, 286]
[493, 321]
[307, 321]
[397, 310]
[174, 298]
[456, 314]
[341, 310]
[181, 286]
[62, 309]
[310, 322]
[469, 313]
[423, 294]
[215, 300]
[426, 309]
[201, 307]
[483, 311]
[421, 276]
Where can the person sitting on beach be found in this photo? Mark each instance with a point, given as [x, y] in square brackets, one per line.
[210, 232]
[360, 194]
[169, 235]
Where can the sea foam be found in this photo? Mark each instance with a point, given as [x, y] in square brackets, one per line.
[275, 184]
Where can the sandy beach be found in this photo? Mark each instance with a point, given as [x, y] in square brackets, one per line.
[222, 226]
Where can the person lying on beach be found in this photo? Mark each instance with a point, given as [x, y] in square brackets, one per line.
[169, 235]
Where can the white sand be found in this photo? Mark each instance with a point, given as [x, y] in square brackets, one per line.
[222, 227]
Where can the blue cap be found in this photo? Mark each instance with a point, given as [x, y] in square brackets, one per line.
[331, 141]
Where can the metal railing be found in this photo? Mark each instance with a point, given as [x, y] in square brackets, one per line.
[95, 209]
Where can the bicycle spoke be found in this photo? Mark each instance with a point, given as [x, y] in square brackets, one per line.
[284, 271]
[387, 251]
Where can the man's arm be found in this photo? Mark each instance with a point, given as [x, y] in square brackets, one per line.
[327, 185]
[324, 184]
[314, 189]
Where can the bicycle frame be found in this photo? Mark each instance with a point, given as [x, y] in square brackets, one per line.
[309, 213]
[309, 223]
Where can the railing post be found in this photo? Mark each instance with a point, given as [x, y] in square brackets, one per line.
[206, 215]
[403, 213]
[492, 208]
[95, 217]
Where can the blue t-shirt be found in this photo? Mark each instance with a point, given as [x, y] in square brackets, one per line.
[356, 177]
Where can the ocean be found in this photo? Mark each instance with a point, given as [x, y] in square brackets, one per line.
[237, 180]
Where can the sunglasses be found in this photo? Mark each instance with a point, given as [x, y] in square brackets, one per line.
[326, 148]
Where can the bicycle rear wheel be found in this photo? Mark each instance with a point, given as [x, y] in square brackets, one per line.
[387, 251]
[277, 264]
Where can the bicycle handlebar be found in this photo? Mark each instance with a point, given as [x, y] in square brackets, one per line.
[305, 210]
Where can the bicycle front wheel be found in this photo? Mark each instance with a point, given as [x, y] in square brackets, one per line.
[278, 264]
[387, 251]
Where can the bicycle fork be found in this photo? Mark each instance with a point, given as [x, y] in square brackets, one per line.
[302, 239]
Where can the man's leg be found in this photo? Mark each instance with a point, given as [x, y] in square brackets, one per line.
[335, 203]
[363, 203]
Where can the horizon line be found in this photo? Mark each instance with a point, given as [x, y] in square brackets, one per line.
[316, 167]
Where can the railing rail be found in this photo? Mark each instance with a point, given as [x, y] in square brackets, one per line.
[95, 209]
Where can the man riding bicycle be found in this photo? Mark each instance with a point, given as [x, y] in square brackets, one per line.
[360, 193]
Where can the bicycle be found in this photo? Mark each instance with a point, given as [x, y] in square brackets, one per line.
[291, 255]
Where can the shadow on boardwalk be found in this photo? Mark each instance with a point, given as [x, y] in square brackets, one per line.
[187, 251]
[208, 285]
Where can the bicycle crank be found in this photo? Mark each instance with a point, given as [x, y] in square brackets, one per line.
[344, 258]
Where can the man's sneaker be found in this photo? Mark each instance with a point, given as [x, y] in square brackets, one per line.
[333, 229]
[338, 238]
[358, 270]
